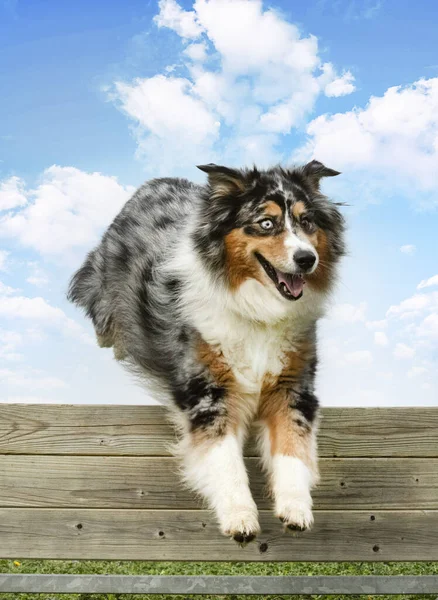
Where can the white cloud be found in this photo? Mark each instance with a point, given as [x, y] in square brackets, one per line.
[416, 371]
[197, 52]
[408, 249]
[38, 276]
[6, 290]
[258, 90]
[382, 324]
[380, 338]
[342, 86]
[30, 379]
[3, 259]
[184, 22]
[349, 313]
[403, 351]
[37, 310]
[428, 282]
[428, 328]
[12, 193]
[395, 136]
[169, 117]
[362, 358]
[66, 211]
[9, 341]
[414, 306]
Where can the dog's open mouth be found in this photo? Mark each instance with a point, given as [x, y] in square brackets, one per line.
[289, 285]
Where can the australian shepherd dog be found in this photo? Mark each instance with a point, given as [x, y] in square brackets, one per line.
[213, 292]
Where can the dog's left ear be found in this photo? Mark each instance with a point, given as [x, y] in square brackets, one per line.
[315, 171]
[223, 180]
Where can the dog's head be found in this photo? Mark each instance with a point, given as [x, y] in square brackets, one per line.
[273, 226]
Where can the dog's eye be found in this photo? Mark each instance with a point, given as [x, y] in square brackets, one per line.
[266, 224]
[307, 224]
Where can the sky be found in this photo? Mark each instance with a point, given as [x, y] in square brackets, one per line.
[98, 97]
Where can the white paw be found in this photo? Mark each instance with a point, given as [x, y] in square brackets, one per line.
[295, 513]
[241, 523]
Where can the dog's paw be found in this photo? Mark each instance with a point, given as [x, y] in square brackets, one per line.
[241, 524]
[295, 514]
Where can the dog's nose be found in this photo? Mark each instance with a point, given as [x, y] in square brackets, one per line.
[304, 259]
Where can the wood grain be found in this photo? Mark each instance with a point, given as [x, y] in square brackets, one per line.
[154, 483]
[193, 535]
[143, 431]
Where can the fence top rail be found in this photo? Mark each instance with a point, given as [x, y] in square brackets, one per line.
[144, 431]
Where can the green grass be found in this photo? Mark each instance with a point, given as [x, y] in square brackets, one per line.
[202, 568]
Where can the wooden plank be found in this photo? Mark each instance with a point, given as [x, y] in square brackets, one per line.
[143, 431]
[152, 483]
[193, 535]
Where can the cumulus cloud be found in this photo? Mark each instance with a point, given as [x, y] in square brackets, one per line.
[428, 282]
[342, 86]
[380, 338]
[30, 379]
[12, 193]
[3, 259]
[172, 121]
[6, 290]
[408, 249]
[38, 276]
[9, 341]
[403, 351]
[349, 312]
[416, 371]
[39, 311]
[362, 358]
[184, 22]
[66, 212]
[253, 91]
[395, 136]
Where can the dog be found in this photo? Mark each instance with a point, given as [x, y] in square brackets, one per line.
[212, 293]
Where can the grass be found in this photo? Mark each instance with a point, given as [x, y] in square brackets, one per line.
[202, 568]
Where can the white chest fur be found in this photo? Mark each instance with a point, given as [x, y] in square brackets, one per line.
[253, 328]
[251, 349]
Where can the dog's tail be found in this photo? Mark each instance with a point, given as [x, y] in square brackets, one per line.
[87, 290]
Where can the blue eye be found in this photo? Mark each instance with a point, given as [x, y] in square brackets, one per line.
[266, 224]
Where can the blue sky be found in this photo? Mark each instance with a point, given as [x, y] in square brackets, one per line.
[98, 97]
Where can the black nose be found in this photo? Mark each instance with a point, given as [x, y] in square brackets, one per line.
[304, 259]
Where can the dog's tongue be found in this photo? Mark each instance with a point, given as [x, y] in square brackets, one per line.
[294, 283]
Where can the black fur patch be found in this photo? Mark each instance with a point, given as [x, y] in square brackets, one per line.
[307, 403]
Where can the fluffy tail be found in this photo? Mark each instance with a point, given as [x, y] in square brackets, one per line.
[87, 290]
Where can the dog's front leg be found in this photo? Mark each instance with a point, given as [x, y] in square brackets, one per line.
[289, 452]
[213, 466]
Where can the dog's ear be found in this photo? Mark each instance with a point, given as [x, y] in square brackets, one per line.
[223, 180]
[315, 171]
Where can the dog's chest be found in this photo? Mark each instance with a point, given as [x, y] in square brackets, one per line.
[253, 351]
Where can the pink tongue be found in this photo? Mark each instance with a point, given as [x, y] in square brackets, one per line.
[294, 283]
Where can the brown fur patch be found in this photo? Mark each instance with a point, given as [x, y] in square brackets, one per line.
[237, 410]
[272, 209]
[289, 433]
[241, 262]
[214, 360]
[320, 279]
[298, 209]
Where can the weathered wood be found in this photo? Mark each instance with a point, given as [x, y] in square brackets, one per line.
[193, 535]
[142, 430]
[152, 483]
[214, 584]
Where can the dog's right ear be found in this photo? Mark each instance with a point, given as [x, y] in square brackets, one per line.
[223, 180]
[315, 171]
